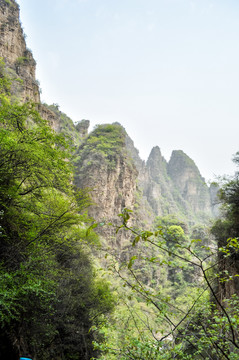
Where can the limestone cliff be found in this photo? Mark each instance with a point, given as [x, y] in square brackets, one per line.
[15, 53]
[60, 122]
[158, 188]
[105, 168]
[21, 67]
[189, 182]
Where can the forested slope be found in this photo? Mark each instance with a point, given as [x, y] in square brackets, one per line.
[104, 256]
[49, 294]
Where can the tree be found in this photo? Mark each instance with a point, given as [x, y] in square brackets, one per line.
[48, 291]
[202, 325]
[226, 232]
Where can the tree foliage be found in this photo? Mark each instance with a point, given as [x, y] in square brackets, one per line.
[197, 323]
[103, 144]
[49, 297]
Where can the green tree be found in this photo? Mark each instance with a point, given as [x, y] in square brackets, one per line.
[226, 232]
[49, 296]
[199, 325]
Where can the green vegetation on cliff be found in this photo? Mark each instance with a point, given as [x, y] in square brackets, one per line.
[106, 140]
[103, 145]
[184, 318]
[50, 295]
[64, 123]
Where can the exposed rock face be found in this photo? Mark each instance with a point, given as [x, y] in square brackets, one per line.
[188, 180]
[103, 166]
[60, 122]
[108, 172]
[157, 165]
[112, 188]
[134, 154]
[21, 66]
[173, 188]
[157, 185]
[14, 51]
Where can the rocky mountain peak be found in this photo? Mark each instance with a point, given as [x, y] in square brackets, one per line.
[180, 163]
[134, 154]
[188, 180]
[156, 164]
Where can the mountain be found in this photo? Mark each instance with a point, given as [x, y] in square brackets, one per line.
[108, 163]
[106, 160]
[65, 296]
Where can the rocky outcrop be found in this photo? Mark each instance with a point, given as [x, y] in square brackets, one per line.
[157, 165]
[173, 188]
[21, 68]
[189, 182]
[104, 167]
[15, 53]
[112, 189]
[61, 123]
[134, 154]
[157, 187]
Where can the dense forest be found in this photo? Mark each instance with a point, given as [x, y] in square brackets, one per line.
[157, 281]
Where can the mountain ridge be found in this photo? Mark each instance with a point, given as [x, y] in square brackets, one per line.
[156, 186]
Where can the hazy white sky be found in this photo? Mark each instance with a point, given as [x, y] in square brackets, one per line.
[167, 70]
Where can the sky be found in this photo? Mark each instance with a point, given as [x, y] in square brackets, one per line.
[167, 70]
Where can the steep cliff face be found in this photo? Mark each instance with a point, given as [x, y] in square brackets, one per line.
[15, 53]
[112, 189]
[157, 165]
[21, 67]
[188, 180]
[105, 168]
[61, 123]
[157, 186]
